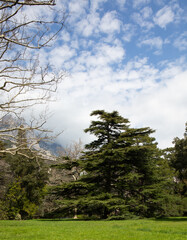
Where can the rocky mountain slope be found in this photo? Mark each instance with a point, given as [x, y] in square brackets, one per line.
[9, 122]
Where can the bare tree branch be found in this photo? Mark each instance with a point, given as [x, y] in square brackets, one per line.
[23, 81]
[10, 4]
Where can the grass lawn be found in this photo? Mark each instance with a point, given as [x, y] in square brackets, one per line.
[167, 229]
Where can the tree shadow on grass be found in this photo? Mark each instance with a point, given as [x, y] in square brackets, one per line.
[63, 219]
[169, 219]
[56, 219]
[172, 219]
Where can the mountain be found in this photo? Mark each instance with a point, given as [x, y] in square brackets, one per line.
[52, 147]
[10, 122]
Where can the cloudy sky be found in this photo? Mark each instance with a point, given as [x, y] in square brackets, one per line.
[124, 55]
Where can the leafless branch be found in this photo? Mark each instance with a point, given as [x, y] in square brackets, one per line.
[10, 4]
[23, 81]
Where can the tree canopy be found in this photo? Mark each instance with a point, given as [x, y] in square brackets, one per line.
[122, 173]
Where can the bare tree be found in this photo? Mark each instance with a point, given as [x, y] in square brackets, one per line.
[24, 81]
[73, 150]
[70, 156]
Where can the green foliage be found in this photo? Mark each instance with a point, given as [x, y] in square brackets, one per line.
[71, 190]
[179, 160]
[124, 174]
[3, 212]
[184, 205]
[16, 202]
[68, 165]
[32, 173]
[29, 177]
[2, 156]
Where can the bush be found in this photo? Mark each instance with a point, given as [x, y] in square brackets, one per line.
[3, 213]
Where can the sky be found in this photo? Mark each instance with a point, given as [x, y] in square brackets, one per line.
[124, 55]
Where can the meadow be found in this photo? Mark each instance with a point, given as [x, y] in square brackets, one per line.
[144, 229]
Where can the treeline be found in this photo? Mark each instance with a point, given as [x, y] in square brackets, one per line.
[121, 174]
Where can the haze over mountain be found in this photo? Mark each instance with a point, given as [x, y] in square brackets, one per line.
[9, 122]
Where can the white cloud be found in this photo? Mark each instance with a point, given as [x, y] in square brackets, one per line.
[112, 53]
[138, 90]
[103, 55]
[164, 16]
[180, 14]
[128, 30]
[181, 41]
[65, 36]
[92, 24]
[88, 25]
[77, 7]
[121, 3]
[31, 13]
[160, 2]
[138, 3]
[103, 77]
[60, 55]
[162, 107]
[74, 43]
[96, 4]
[156, 42]
[146, 12]
[109, 23]
[76, 10]
[142, 21]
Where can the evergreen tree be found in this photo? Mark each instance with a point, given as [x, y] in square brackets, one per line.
[30, 175]
[122, 173]
[179, 160]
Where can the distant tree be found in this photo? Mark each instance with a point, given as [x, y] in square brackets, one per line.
[26, 191]
[68, 158]
[66, 169]
[5, 179]
[179, 160]
[123, 173]
[2, 146]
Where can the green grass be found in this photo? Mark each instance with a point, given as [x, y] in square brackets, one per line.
[167, 229]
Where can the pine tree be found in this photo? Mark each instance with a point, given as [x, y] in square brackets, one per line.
[121, 163]
[122, 173]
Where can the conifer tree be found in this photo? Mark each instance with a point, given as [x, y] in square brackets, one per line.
[179, 160]
[121, 163]
[122, 173]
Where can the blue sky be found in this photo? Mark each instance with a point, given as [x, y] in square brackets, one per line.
[125, 55]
